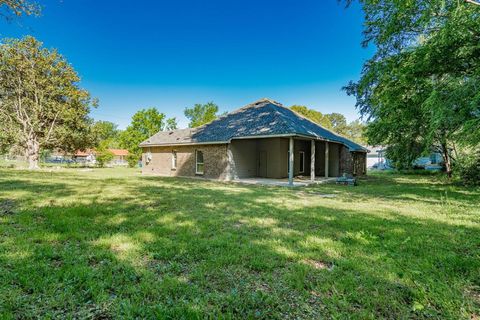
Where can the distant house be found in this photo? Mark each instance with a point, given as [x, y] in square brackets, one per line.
[119, 157]
[263, 139]
[377, 159]
[88, 157]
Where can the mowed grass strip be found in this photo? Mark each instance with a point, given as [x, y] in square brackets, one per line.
[110, 243]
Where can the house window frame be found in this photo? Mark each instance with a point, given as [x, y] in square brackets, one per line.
[199, 163]
[301, 162]
[174, 159]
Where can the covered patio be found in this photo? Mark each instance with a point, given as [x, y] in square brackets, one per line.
[285, 160]
[297, 181]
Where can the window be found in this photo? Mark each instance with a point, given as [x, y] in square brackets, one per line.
[302, 162]
[198, 162]
[174, 159]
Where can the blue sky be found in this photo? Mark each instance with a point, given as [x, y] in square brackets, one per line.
[173, 54]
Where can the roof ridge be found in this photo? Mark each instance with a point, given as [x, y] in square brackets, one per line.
[250, 105]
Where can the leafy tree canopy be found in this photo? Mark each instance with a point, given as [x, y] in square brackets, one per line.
[314, 115]
[18, 8]
[41, 103]
[105, 133]
[201, 114]
[335, 122]
[420, 89]
[145, 123]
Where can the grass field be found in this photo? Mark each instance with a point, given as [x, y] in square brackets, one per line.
[109, 243]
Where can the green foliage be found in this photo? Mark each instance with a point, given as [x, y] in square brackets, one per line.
[133, 159]
[313, 115]
[103, 156]
[421, 87]
[106, 133]
[201, 114]
[145, 123]
[18, 8]
[468, 168]
[42, 105]
[338, 122]
[335, 122]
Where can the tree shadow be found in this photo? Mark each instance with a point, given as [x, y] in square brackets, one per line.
[183, 248]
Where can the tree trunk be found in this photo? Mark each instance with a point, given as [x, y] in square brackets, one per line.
[447, 159]
[33, 153]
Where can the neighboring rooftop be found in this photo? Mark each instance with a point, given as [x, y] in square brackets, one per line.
[264, 117]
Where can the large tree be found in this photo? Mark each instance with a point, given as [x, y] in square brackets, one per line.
[145, 123]
[41, 102]
[201, 114]
[18, 8]
[313, 115]
[420, 91]
[105, 133]
[335, 122]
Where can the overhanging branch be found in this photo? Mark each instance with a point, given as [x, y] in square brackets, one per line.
[473, 2]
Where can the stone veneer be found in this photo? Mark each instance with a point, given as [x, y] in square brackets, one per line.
[354, 163]
[214, 157]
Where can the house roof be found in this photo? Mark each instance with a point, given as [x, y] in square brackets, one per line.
[263, 118]
[85, 153]
[119, 152]
[116, 152]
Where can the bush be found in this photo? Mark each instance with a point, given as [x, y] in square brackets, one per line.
[133, 159]
[467, 168]
[103, 157]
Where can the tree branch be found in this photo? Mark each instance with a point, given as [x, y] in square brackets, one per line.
[473, 2]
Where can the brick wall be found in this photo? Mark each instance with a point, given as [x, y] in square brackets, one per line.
[215, 161]
[352, 163]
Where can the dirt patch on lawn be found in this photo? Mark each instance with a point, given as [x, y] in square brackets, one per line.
[319, 265]
[7, 207]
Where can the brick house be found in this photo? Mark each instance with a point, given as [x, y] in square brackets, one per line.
[263, 139]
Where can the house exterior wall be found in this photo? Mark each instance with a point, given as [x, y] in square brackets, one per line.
[245, 153]
[240, 159]
[353, 163]
[215, 161]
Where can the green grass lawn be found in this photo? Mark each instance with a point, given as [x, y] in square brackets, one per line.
[110, 243]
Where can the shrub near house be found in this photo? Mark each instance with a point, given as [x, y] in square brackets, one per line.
[116, 157]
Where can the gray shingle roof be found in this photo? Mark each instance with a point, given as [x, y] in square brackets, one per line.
[262, 118]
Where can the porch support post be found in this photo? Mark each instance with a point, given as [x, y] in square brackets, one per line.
[312, 161]
[326, 159]
[290, 163]
[231, 172]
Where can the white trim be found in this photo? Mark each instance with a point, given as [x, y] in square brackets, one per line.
[301, 162]
[174, 159]
[197, 163]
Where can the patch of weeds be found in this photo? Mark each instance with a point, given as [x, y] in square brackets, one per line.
[7, 207]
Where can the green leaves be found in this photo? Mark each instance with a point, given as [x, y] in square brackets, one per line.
[41, 102]
[421, 89]
[335, 122]
[201, 114]
[145, 123]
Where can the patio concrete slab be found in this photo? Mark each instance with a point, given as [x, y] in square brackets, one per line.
[297, 182]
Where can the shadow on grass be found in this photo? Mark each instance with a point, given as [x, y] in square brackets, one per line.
[186, 248]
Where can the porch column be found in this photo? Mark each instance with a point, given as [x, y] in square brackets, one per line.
[290, 163]
[312, 161]
[326, 159]
[231, 172]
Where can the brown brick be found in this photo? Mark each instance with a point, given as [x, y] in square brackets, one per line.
[215, 161]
